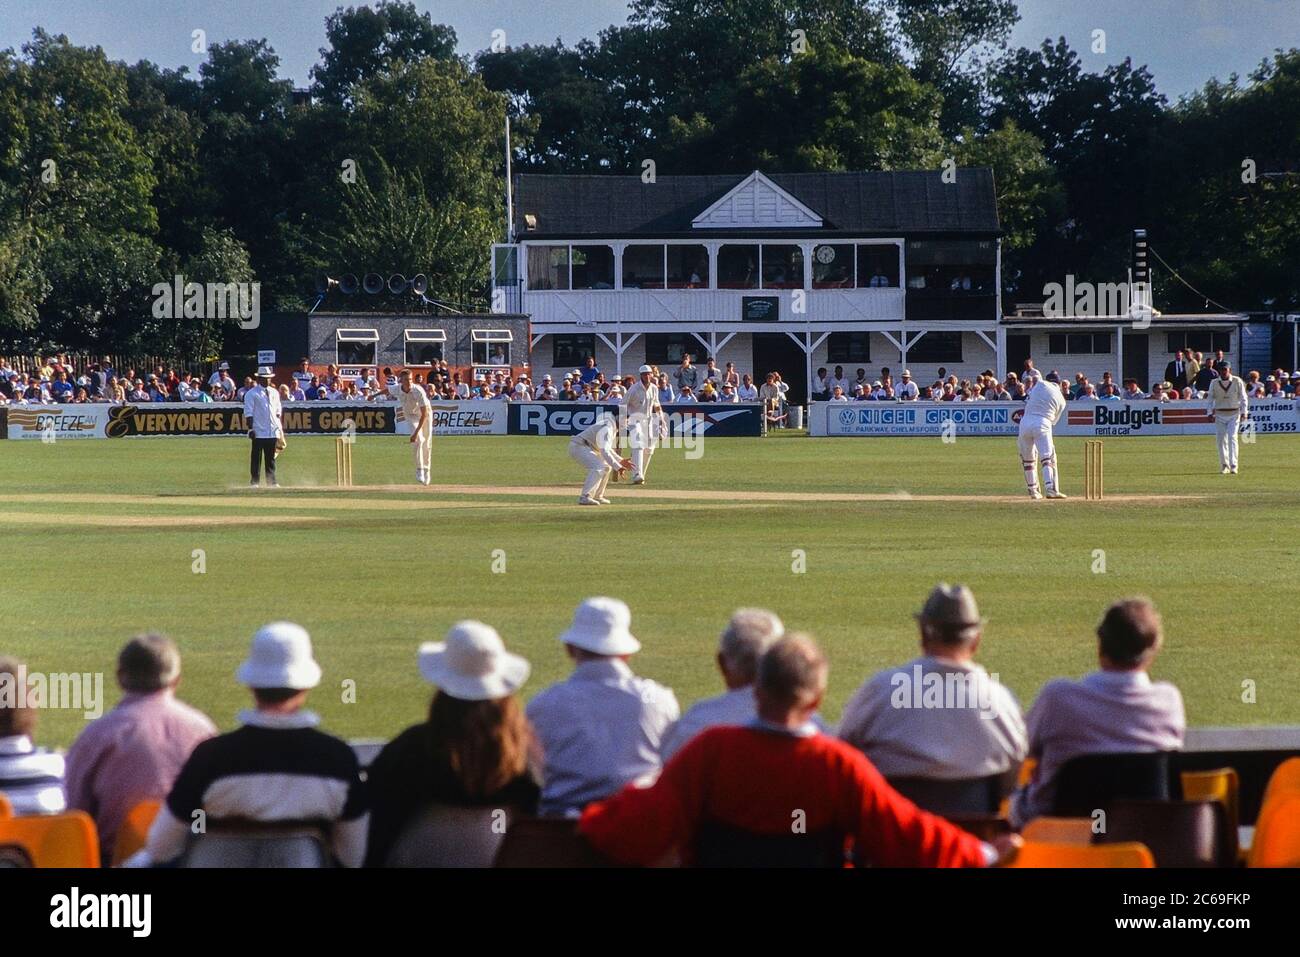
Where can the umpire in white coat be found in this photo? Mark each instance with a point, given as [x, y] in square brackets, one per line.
[593, 449]
[262, 413]
[645, 422]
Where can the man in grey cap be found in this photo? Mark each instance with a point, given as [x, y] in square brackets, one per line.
[941, 715]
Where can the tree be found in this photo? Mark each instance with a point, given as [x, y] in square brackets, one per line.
[365, 42]
[825, 110]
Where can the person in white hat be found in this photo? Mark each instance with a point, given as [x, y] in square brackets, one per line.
[645, 421]
[417, 411]
[601, 728]
[475, 750]
[262, 411]
[594, 449]
[277, 768]
[1044, 406]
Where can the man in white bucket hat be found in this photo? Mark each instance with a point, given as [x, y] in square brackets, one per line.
[645, 422]
[277, 768]
[602, 727]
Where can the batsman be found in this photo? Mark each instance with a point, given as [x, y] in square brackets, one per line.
[1043, 410]
[417, 411]
[645, 422]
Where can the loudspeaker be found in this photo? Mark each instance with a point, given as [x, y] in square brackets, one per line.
[419, 284]
[349, 285]
[397, 284]
[324, 283]
[373, 283]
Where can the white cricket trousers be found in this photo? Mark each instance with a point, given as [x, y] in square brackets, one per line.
[423, 449]
[598, 470]
[1036, 445]
[1225, 429]
[642, 439]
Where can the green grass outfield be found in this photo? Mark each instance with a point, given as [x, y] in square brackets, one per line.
[373, 572]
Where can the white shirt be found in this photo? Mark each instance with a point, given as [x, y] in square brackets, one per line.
[747, 393]
[599, 730]
[640, 400]
[599, 437]
[890, 719]
[907, 390]
[262, 412]
[413, 403]
[730, 709]
[1043, 406]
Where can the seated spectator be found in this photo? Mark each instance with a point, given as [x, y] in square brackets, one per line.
[134, 752]
[979, 733]
[31, 778]
[603, 726]
[728, 393]
[475, 750]
[744, 641]
[686, 395]
[747, 780]
[747, 392]
[277, 768]
[837, 395]
[1116, 709]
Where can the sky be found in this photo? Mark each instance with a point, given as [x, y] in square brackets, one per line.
[1184, 42]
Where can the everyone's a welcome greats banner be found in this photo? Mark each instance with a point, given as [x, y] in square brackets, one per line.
[55, 423]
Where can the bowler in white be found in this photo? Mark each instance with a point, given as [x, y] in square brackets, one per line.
[1043, 408]
[1228, 405]
[593, 449]
[417, 411]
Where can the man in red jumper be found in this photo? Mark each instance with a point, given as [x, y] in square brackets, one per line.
[768, 783]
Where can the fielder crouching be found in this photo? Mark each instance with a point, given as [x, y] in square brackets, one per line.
[593, 449]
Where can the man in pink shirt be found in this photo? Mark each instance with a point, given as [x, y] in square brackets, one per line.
[1115, 709]
[134, 752]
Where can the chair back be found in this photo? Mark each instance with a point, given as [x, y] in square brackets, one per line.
[1220, 784]
[1033, 854]
[443, 835]
[258, 845]
[1285, 777]
[1093, 781]
[547, 842]
[1178, 833]
[134, 830]
[6, 809]
[50, 840]
[1277, 833]
[958, 796]
[1059, 830]
[720, 845]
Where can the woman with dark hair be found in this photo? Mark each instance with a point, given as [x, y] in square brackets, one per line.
[476, 750]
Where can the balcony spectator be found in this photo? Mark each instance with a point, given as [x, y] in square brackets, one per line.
[821, 386]
[1131, 391]
[747, 392]
[603, 727]
[837, 395]
[589, 371]
[731, 376]
[686, 374]
[907, 389]
[838, 380]
[134, 752]
[31, 777]
[1115, 709]
[712, 373]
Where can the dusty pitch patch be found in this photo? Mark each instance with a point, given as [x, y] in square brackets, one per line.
[152, 521]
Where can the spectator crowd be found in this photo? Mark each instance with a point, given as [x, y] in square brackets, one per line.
[646, 782]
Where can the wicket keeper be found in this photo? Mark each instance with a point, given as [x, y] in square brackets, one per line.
[1043, 408]
[593, 449]
[1228, 405]
[416, 409]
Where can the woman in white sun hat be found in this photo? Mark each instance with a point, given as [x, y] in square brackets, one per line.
[601, 728]
[475, 750]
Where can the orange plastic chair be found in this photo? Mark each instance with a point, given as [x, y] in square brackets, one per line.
[1222, 785]
[1070, 855]
[1076, 831]
[1277, 833]
[6, 809]
[133, 833]
[53, 840]
[1285, 777]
